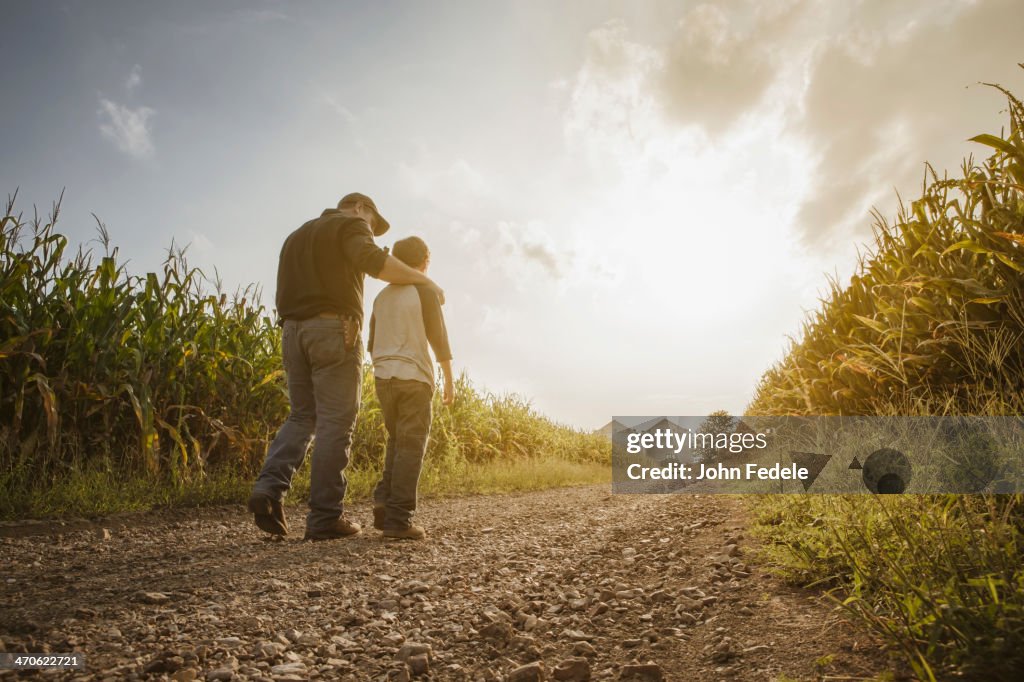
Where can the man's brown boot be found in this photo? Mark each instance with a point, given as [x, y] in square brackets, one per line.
[339, 529]
[268, 514]
[411, 532]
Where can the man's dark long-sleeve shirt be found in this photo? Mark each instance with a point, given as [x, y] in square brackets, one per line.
[323, 264]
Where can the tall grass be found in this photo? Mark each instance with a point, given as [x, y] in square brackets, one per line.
[935, 312]
[163, 388]
[931, 323]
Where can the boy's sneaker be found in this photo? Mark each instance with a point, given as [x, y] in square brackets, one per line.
[410, 532]
[378, 516]
[339, 529]
[268, 514]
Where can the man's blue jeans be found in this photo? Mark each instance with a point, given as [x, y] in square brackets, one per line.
[406, 408]
[324, 388]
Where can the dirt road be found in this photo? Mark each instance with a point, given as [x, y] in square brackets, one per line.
[577, 582]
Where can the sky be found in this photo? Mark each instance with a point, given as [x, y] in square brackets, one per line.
[631, 206]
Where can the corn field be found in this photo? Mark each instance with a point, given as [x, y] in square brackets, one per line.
[931, 323]
[935, 313]
[156, 378]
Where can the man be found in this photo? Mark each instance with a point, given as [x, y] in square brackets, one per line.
[405, 321]
[320, 301]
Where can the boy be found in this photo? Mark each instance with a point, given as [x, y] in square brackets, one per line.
[405, 320]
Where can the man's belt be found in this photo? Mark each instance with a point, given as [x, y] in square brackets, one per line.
[349, 327]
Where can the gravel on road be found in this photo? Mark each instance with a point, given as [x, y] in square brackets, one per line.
[566, 584]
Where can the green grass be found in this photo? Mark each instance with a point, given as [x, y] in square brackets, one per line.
[932, 323]
[938, 576]
[101, 492]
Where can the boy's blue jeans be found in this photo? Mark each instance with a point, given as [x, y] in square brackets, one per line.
[406, 407]
[324, 388]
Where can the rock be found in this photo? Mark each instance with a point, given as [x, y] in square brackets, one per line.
[686, 618]
[250, 623]
[578, 636]
[572, 669]
[410, 649]
[269, 649]
[294, 668]
[531, 672]
[184, 675]
[308, 639]
[497, 631]
[660, 596]
[732, 550]
[522, 642]
[413, 587]
[419, 664]
[724, 651]
[584, 649]
[399, 674]
[104, 534]
[220, 674]
[230, 642]
[346, 645]
[155, 667]
[393, 638]
[153, 597]
[643, 671]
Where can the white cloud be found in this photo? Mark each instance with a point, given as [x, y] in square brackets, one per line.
[332, 102]
[717, 67]
[890, 92]
[495, 321]
[458, 188]
[262, 16]
[530, 244]
[612, 109]
[200, 244]
[129, 129]
[134, 79]
[867, 90]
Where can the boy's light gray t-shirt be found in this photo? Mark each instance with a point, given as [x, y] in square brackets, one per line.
[406, 321]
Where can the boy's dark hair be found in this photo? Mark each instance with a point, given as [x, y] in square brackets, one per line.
[412, 251]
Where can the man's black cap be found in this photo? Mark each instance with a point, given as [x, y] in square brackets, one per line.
[380, 226]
